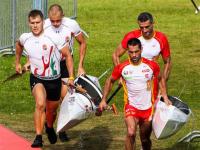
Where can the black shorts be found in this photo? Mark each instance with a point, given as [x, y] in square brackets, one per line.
[63, 69]
[52, 87]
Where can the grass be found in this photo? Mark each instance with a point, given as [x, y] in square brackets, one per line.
[106, 22]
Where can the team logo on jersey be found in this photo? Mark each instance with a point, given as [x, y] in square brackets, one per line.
[146, 75]
[146, 70]
[125, 73]
[44, 47]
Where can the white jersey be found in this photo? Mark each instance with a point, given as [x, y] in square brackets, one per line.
[67, 30]
[150, 48]
[140, 82]
[44, 55]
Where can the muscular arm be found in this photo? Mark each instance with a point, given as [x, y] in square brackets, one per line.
[167, 67]
[107, 88]
[117, 54]
[163, 89]
[82, 51]
[18, 54]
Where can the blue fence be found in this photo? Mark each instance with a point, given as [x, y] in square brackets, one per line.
[13, 18]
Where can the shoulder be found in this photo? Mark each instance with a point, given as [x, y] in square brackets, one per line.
[152, 64]
[47, 23]
[117, 71]
[69, 22]
[123, 64]
[130, 35]
[23, 37]
[160, 35]
[133, 34]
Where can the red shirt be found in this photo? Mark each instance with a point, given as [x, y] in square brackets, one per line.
[153, 47]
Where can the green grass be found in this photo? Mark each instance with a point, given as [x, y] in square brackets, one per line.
[106, 22]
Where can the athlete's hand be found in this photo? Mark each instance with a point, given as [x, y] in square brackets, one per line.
[18, 68]
[70, 82]
[81, 71]
[167, 101]
[102, 105]
[27, 66]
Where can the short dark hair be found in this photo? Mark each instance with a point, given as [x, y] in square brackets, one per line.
[133, 42]
[144, 16]
[57, 7]
[34, 13]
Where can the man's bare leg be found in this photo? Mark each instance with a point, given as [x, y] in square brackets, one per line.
[131, 124]
[145, 133]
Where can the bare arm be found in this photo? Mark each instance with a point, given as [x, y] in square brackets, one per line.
[82, 51]
[163, 89]
[18, 54]
[117, 54]
[107, 88]
[167, 67]
[27, 65]
[69, 62]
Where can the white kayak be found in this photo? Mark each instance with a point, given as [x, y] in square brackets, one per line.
[77, 107]
[167, 120]
[74, 109]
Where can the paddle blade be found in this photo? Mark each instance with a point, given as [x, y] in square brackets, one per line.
[14, 76]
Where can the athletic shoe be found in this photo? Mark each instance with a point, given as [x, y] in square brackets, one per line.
[37, 142]
[63, 136]
[51, 134]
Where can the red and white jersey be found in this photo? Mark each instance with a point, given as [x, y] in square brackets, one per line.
[140, 82]
[67, 30]
[151, 48]
[44, 54]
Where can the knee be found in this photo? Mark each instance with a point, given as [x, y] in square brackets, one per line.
[40, 106]
[131, 132]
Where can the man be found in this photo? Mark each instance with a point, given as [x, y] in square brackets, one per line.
[68, 29]
[140, 82]
[44, 55]
[153, 42]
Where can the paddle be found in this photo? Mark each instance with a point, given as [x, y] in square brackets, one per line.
[15, 75]
[112, 107]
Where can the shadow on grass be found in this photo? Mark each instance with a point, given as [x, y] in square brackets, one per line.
[183, 146]
[98, 138]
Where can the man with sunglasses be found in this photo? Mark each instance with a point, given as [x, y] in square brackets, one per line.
[153, 42]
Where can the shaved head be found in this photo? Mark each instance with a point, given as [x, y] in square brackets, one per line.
[55, 10]
[55, 15]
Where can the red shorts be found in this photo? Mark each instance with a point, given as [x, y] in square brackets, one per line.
[143, 115]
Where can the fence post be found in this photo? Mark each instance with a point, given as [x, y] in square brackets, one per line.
[41, 5]
[13, 25]
[75, 9]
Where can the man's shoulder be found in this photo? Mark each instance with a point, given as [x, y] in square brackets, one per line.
[159, 34]
[150, 63]
[26, 35]
[134, 33]
[68, 21]
[124, 63]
